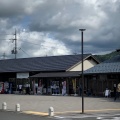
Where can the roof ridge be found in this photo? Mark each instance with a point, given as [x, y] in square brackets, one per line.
[44, 57]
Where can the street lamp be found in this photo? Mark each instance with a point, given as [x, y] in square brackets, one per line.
[82, 69]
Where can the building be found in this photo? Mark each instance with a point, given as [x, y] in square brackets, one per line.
[104, 75]
[44, 71]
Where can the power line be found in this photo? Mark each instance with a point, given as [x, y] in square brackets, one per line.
[14, 51]
[2, 39]
[4, 34]
[24, 51]
[45, 46]
[30, 42]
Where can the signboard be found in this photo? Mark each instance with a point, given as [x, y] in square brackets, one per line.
[22, 75]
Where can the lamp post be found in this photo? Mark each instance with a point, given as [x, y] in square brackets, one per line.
[82, 69]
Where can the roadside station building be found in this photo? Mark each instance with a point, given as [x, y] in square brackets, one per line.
[45, 75]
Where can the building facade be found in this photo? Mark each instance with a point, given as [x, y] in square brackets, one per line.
[46, 72]
[104, 75]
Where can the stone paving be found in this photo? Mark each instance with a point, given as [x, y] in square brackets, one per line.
[61, 104]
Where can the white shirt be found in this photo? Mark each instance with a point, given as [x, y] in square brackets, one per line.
[106, 93]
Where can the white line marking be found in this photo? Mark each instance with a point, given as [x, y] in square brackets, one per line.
[59, 117]
[98, 116]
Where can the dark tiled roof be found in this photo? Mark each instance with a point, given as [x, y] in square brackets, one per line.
[57, 74]
[49, 63]
[109, 66]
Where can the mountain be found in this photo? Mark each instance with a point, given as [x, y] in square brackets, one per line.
[105, 57]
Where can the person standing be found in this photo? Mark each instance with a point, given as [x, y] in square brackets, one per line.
[107, 92]
[20, 89]
[115, 92]
[118, 90]
[80, 90]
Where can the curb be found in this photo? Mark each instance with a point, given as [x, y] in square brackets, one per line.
[69, 112]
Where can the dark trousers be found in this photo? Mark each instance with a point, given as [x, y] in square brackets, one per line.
[115, 96]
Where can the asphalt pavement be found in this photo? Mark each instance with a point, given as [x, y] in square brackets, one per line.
[10, 115]
[96, 116]
[63, 105]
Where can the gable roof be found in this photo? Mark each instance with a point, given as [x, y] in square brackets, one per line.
[49, 63]
[110, 66]
[90, 56]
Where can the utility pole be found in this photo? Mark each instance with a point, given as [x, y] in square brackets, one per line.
[14, 51]
[15, 44]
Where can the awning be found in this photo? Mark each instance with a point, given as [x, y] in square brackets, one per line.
[57, 74]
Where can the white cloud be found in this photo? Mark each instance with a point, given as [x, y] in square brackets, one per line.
[52, 27]
[41, 44]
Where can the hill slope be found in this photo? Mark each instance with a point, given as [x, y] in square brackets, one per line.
[105, 57]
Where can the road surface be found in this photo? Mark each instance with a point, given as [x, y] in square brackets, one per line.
[9, 115]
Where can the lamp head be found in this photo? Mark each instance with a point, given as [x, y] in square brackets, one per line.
[82, 29]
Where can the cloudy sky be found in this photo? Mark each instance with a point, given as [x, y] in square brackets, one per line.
[51, 27]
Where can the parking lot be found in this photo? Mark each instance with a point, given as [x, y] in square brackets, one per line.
[61, 104]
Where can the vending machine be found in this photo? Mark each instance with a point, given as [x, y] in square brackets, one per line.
[1, 87]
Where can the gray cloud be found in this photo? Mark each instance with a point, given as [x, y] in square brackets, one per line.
[12, 8]
[59, 21]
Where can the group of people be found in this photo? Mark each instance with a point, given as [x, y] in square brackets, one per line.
[23, 90]
[89, 92]
[116, 91]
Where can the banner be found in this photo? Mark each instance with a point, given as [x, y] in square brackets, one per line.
[74, 85]
[64, 88]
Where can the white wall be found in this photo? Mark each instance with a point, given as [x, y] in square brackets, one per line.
[87, 64]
